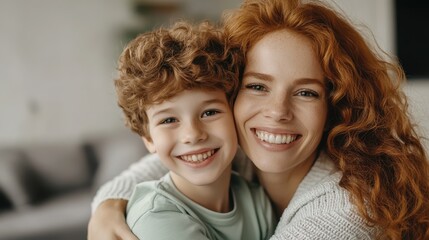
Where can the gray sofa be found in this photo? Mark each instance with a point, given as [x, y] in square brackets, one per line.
[46, 189]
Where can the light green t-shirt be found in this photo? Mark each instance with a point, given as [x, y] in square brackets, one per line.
[158, 210]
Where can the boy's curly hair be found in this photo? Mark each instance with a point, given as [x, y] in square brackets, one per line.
[157, 65]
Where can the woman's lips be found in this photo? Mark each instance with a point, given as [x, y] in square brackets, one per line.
[275, 138]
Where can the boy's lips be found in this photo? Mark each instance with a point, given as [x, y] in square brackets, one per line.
[198, 156]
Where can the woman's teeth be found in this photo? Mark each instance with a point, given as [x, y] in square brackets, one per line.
[275, 138]
[197, 157]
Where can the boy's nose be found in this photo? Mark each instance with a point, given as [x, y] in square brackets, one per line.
[193, 133]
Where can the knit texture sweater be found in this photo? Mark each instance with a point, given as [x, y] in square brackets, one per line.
[319, 209]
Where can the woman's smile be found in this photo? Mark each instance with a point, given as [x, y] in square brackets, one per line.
[275, 138]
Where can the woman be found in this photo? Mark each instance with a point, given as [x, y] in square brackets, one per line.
[322, 118]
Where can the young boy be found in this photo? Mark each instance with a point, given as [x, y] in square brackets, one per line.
[176, 87]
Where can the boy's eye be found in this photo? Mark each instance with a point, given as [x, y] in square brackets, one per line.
[168, 120]
[209, 113]
[256, 87]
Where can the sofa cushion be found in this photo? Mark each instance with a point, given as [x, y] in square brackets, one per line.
[18, 182]
[61, 167]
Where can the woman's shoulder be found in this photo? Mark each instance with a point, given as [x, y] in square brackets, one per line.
[320, 188]
[324, 195]
[322, 208]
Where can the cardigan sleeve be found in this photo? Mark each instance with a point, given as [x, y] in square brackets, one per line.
[121, 187]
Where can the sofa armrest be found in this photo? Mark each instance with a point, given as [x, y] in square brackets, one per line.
[18, 182]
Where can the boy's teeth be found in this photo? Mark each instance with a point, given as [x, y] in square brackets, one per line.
[197, 157]
[275, 138]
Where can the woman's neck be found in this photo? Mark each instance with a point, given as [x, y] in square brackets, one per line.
[281, 187]
[214, 196]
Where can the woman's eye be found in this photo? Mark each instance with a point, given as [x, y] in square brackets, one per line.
[209, 113]
[256, 87]
[168, 121]
[307, 93]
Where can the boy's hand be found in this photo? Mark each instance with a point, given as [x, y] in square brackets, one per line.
[108, 222]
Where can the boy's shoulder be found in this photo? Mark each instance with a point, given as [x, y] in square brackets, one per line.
[154, 197]
[155, 213]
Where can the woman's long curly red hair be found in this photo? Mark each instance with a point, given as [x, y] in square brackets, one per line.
[371, 138]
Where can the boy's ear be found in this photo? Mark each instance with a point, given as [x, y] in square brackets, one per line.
[149, 145]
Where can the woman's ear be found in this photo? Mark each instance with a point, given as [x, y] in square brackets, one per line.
[149, 145]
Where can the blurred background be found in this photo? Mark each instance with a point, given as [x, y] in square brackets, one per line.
[61, 132]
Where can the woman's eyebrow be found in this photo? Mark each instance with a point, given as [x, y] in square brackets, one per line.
[309, 81]
[260, 76]
[267, 77]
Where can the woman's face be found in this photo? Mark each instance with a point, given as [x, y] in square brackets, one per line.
[281, 108]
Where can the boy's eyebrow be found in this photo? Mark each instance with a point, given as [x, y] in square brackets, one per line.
[215, 100]
[209, 101]
[161, 111]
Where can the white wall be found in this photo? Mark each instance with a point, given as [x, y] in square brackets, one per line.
[418, 99]
[57, 63]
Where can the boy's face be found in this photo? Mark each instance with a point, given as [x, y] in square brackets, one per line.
[194, 135]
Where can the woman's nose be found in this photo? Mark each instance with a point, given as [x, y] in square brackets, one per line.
[279, 109]
[192, 133]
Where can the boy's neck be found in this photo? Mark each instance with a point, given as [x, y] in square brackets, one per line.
[214, 196]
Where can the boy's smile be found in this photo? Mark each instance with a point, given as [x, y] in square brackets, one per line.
[194, 135]
[198, 156]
